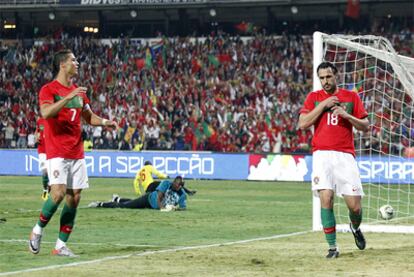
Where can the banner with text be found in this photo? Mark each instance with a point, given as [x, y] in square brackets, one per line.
[205, 165]
[299, 168]
[200, 165]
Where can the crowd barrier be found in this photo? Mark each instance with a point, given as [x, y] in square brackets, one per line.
[208, 165]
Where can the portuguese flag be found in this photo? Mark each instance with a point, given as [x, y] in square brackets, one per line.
[245, 27]
[213, 60]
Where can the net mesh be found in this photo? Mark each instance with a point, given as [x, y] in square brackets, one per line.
[384, 153]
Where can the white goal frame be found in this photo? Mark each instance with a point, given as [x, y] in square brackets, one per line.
[403, 68]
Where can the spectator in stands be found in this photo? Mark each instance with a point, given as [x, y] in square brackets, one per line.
[254, 85]
[9, 135]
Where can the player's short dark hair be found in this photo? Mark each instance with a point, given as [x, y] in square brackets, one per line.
[59, 57]
[179, 179]
[147, 163]
[324, 65]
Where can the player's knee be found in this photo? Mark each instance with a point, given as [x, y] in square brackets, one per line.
[57, 196]
[73, 200]
[356, 210]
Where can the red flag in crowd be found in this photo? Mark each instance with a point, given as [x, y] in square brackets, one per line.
[224, 58]
[245, 27]
[352, 9]
[140, 63]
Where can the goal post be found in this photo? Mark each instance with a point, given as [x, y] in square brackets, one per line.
[384, 80]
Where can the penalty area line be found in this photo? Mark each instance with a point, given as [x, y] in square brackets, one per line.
[152, 252]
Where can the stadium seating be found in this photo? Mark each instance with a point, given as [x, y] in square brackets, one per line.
[219, 93]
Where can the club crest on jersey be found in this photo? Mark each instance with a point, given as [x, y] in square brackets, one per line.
[316, 180]
[56, 173]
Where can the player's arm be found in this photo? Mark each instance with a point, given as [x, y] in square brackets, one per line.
[160, 198]
[49, 109]
[361, 124]
[158, 174]
[139, 189]
[37, 135]
[94, 120]
[182, 202]
[306, 120]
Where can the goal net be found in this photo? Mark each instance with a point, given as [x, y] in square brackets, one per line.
[384, 80]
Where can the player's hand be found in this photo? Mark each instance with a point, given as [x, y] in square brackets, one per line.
[339, 110]
[330, 102]
[168, 208]
[111, 123]
[77, 91]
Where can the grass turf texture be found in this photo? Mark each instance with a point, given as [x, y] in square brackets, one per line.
[220, 212]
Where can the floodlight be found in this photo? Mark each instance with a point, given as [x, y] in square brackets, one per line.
[52, 16]
[213, 12]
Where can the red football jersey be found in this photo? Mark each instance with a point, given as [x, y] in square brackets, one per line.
[40, 129]
[63, 137]
[334, 132]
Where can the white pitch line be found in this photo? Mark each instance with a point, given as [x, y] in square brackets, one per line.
[82, 243]
[21, 210]
[155, 252]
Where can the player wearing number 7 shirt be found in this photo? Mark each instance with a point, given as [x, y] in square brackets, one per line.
[334, 112]
[63, 105]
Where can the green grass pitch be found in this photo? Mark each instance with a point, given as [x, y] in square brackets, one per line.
[231, 228]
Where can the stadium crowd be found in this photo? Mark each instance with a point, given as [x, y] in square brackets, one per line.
[218, 93]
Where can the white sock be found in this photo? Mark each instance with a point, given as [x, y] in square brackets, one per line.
[37, 229]
[59, 244]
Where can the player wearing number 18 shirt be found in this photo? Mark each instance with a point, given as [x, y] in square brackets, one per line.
[63, 105]
[334, 112]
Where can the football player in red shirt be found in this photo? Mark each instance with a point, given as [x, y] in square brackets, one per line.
[334, 112]
[63, 105]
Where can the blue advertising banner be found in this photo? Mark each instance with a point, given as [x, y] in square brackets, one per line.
[386, 169]
[193, 165]
[205, 165]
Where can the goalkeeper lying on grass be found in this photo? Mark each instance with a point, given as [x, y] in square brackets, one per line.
[168, 196]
